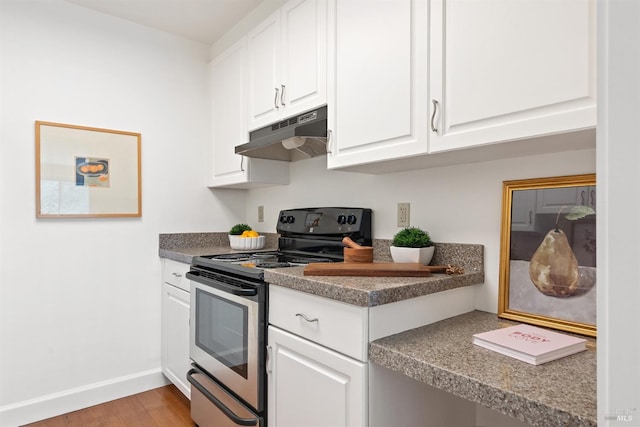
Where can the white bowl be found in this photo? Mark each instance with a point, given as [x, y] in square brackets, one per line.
[246, 243]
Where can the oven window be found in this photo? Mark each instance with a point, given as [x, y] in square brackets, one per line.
[221, 330]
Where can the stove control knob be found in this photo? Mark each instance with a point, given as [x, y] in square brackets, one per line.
[342, 219]
[351, 219]
[290, 219]
[283, 219]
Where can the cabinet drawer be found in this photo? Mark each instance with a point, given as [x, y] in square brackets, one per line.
[333, 324]
[175, 273]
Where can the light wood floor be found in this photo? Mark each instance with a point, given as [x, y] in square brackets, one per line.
[160, 407]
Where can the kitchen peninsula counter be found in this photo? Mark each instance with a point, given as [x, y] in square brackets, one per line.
[360, 291]
[442, 355]
[369, 291]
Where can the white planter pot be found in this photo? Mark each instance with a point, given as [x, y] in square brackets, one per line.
[419, 255]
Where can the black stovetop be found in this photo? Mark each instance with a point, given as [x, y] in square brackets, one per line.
[307, 235]
[274, 259]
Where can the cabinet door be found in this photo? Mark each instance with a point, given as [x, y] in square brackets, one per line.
[229, 121]
[310, 385]
[175, 336]
[377, 80]
[229, 115]
[264, 72]
[304, 56]
[523, 210]
[503, 70]
[551, 200]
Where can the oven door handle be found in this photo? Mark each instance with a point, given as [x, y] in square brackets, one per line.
[236, 419]
[235, 290]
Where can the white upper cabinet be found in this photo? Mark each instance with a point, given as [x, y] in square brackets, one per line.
[553, 200]
[503, 70]
[523, 210]
[377, 83]
[228, 77]
[287, 62]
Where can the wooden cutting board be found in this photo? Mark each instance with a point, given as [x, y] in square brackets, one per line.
[375, 269]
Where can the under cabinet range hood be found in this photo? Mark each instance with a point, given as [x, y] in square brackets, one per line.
[300, 137]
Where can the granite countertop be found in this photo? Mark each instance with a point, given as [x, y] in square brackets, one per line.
[558, 393]
[368, 291]
[360, 291]
[182, 247]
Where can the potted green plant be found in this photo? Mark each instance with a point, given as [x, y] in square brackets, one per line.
[412, 244]
[238, 229]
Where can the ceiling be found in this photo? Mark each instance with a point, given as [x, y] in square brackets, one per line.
[200, 20]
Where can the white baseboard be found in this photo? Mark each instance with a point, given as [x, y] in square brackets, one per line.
[51, 405]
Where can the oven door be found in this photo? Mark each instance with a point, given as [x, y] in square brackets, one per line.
[227, 334]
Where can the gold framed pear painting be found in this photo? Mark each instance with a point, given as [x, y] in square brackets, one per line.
[548, 253]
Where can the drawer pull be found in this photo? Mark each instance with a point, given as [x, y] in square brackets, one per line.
[305, 317]
[176, 275]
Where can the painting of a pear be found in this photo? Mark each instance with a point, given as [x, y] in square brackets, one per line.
[554, 267]
[548, 262]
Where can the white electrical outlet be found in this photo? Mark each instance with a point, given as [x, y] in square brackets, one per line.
[260, 213]
[403, 214]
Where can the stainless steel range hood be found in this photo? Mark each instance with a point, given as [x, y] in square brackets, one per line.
[295, 138]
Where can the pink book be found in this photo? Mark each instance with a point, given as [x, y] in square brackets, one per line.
[530, 344]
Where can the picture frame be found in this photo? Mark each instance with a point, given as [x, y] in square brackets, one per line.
[548, 253]
[87, 172]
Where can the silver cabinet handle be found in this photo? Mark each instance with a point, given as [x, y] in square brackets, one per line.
[275, 99]
[282, 96]
[593, 199]
[305, 317]
[530, 217]
[582, 198]
[268, 361]
[176, 275]
[433, 115]
[241, 163]
[329, 135]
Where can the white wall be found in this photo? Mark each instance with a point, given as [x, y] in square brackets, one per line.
[80, 298]
[456, 204]
[618, 154]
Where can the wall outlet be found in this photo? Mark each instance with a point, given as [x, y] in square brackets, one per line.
[260, 213]
[403, 214]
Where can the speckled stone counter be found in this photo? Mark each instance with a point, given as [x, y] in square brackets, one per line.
[361, 291]
[369, 291]
[557, 393]
[182, 247]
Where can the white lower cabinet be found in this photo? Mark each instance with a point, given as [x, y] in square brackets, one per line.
[317, 367]
[175, 325]
[311, 385]
[317, 370]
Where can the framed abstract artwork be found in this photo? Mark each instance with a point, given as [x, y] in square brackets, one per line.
[87, 172]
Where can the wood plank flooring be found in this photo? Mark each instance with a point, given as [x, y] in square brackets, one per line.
[160, 407]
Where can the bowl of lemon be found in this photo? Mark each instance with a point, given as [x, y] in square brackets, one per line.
[242, 237]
